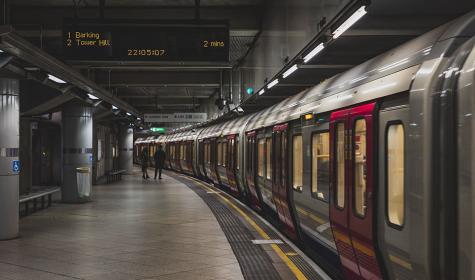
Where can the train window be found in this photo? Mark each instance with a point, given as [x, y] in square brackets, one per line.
[268, 158]
[395, 173]
[359, 149]
[261, 157]
[297, 163]
[225, 154]
[340, 165]
[320, 165]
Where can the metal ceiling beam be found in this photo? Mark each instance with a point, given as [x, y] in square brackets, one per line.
[49, 105]
[161, 96]
[240, 17]
[163, 101]
[166, 105]
[158, 78]
[14, 44]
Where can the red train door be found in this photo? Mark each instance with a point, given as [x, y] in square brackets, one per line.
[280, 179]
[214, 160]
[231, 164]
[250, 166]
[352, 207]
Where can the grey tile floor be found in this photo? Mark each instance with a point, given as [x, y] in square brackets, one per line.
[133, 229]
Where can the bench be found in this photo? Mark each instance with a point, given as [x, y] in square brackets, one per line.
[33, 197]
[114, 175]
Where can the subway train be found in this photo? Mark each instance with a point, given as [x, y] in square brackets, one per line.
[370, 172]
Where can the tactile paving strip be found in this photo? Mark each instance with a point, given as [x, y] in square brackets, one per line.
[221, 208]
[253, 260]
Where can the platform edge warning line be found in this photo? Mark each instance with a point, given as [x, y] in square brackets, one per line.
[290, 264]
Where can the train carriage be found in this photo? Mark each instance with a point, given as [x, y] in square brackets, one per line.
[369, 171]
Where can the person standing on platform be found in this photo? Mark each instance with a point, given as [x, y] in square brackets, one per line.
[159, 158]
[144, 159]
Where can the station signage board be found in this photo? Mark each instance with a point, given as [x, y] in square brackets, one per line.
[144, 41]
[176, 118]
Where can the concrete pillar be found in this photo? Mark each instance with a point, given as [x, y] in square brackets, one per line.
[77, 125]
[9, 157]
[126, 149]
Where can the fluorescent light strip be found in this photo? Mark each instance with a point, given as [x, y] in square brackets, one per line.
[349, 22]
[261, 92]
[394, 65]
[128, 114]
[114, 107]
[56, 79]
[313, 53]
[290, 71]
[273, 83]
[93, 97]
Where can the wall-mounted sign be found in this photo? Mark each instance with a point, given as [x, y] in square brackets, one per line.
[144, 41]
[15, 166]
[176, 118]
[157, 129]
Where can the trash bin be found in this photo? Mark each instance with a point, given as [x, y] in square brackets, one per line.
[83, 176]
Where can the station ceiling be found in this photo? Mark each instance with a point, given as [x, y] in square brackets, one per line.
[148, 88]
[187, 86]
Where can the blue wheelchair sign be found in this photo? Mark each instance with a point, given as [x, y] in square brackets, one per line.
[16, 166]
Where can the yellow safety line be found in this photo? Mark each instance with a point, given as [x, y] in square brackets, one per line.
[295, 270]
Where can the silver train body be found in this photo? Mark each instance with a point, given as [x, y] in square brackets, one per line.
[371, 172]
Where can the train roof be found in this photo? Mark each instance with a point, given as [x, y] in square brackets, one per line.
[389, 73]
[225, 128]
[184, 135]
[386, 74]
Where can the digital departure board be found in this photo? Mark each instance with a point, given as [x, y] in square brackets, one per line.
[145, 42]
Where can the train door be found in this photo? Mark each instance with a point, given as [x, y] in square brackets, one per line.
[222, 160]
[191, 157]
[280, 179]
[250, 165]
[213, 164]
[352, 207]
[231, 165]
[393, 224]
[201, 158]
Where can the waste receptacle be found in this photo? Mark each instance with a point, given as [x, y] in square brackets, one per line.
[83, 176]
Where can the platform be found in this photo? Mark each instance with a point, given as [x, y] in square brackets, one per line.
[176, 228]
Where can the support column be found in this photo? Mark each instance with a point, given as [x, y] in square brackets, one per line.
[77, 128]
[126, 149]
[9, 157]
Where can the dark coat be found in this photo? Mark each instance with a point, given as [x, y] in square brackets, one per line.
[144, 158]
[159, 158]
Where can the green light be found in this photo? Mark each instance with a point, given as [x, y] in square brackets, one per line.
[158, 129]
[250, 90]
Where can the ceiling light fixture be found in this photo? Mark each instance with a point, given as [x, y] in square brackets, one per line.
[56, 79]
[128, 114]
[261, 92]
[314, 52]
[290, 71]
[272, 84]
[92, 97]
[349, 22]
[114, 107]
